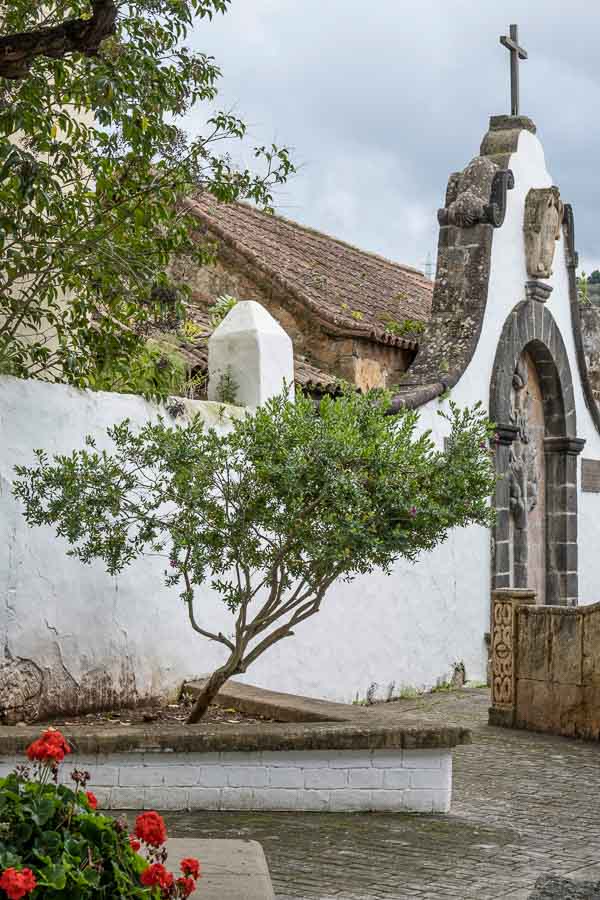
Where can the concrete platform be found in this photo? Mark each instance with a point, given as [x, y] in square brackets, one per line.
[231, 869]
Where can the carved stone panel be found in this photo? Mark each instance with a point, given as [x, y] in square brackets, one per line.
[527, 481]
[543, 219]
[590, 476]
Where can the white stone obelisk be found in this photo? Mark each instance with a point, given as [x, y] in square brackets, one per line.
[250, 352]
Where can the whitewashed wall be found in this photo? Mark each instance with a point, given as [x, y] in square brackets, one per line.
[408, 628]
[102, 636]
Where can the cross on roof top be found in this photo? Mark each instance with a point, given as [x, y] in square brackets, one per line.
[516, 53]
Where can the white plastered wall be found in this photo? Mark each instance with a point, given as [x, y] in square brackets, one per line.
[407, 629]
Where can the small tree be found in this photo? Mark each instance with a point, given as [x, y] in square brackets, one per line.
[269, 514]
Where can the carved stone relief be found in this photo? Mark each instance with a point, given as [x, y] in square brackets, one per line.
[544, 213]
[527, 479]
[476, 195]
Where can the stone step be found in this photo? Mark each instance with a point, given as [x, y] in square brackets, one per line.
[231, 869]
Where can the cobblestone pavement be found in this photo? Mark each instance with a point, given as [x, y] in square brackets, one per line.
[524, 804]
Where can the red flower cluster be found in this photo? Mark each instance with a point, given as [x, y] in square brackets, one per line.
[186, 886]
[134, 843]
[190, 866]
[17, 884]
[157, 876]
[50, 748]
[150, 828]
[92, 800]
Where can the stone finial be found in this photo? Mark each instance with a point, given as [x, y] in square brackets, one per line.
[477, 195]
[250, 357]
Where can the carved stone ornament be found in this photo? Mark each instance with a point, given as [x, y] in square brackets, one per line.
[503, 674]
[477, 195]
[544, 213]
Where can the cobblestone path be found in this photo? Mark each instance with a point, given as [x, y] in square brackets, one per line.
[524, 804]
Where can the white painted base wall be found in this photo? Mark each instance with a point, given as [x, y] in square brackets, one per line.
[323, 781]
[94, 636]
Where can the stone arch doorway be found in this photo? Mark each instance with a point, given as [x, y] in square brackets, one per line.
[532, 402]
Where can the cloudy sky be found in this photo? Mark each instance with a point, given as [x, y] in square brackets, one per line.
[381, 99]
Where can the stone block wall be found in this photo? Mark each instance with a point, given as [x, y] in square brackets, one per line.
[320, 780]
[545, 666]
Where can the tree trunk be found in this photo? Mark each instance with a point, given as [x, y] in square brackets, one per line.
[17, 51]
[210, 690]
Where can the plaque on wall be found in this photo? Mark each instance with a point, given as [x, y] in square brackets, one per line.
[590, 475]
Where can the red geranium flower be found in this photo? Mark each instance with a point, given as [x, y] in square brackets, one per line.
[190, 866]
[157, 876]
[92, 799]
[50, 748]
[17, 884]
[134, 843]
[186, 886]
[150, 828]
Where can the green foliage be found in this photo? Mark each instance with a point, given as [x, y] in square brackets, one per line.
[220, 308]
[93, 166]
[594, 278]
[72, 850]
[405, 327]
[582, 288]
[227, 388]
[275, 510]
[154, 371]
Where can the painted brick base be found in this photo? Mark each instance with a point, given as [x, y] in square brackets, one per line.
[332, 780]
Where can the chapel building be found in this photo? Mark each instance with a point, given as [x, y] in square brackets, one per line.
[352, 315]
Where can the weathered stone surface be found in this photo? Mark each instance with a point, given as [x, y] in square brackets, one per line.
[555, 657]
[360, 728]
[544, 212]
[551, 888]
[231, 869]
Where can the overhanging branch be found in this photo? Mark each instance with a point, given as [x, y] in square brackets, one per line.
[17, 51]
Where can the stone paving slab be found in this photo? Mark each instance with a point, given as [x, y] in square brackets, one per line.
[231, 869]
[525, 805]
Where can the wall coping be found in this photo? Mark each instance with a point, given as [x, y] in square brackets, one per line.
[560, 610]
[347, 727]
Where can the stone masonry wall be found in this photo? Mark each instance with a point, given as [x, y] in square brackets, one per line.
[357, 360]
[546, 667]
[325, 781]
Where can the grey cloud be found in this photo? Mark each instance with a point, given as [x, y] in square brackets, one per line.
[381, 101]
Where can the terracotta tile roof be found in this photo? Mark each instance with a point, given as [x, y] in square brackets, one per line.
[348, 290]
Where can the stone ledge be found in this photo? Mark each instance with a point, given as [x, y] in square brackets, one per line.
[276, 705]
[231, 869]
[223, 738]
[340, 726]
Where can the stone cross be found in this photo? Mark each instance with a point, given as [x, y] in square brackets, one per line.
[516, 53]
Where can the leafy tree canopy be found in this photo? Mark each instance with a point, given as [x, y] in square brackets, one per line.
[270, 513]
[93, 168]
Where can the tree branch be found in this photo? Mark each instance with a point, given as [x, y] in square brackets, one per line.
[17, 51]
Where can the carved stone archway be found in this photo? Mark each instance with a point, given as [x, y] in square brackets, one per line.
[531, 335]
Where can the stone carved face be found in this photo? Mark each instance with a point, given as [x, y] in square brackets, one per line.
[544, 212]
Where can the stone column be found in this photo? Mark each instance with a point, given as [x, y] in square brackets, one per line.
[250, 357]
[561, 495]
[504, 652]
[501, 575]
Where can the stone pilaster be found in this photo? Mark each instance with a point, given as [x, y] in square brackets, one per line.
[504, 650]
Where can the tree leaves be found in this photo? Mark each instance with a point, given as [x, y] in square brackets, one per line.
[93, 166]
